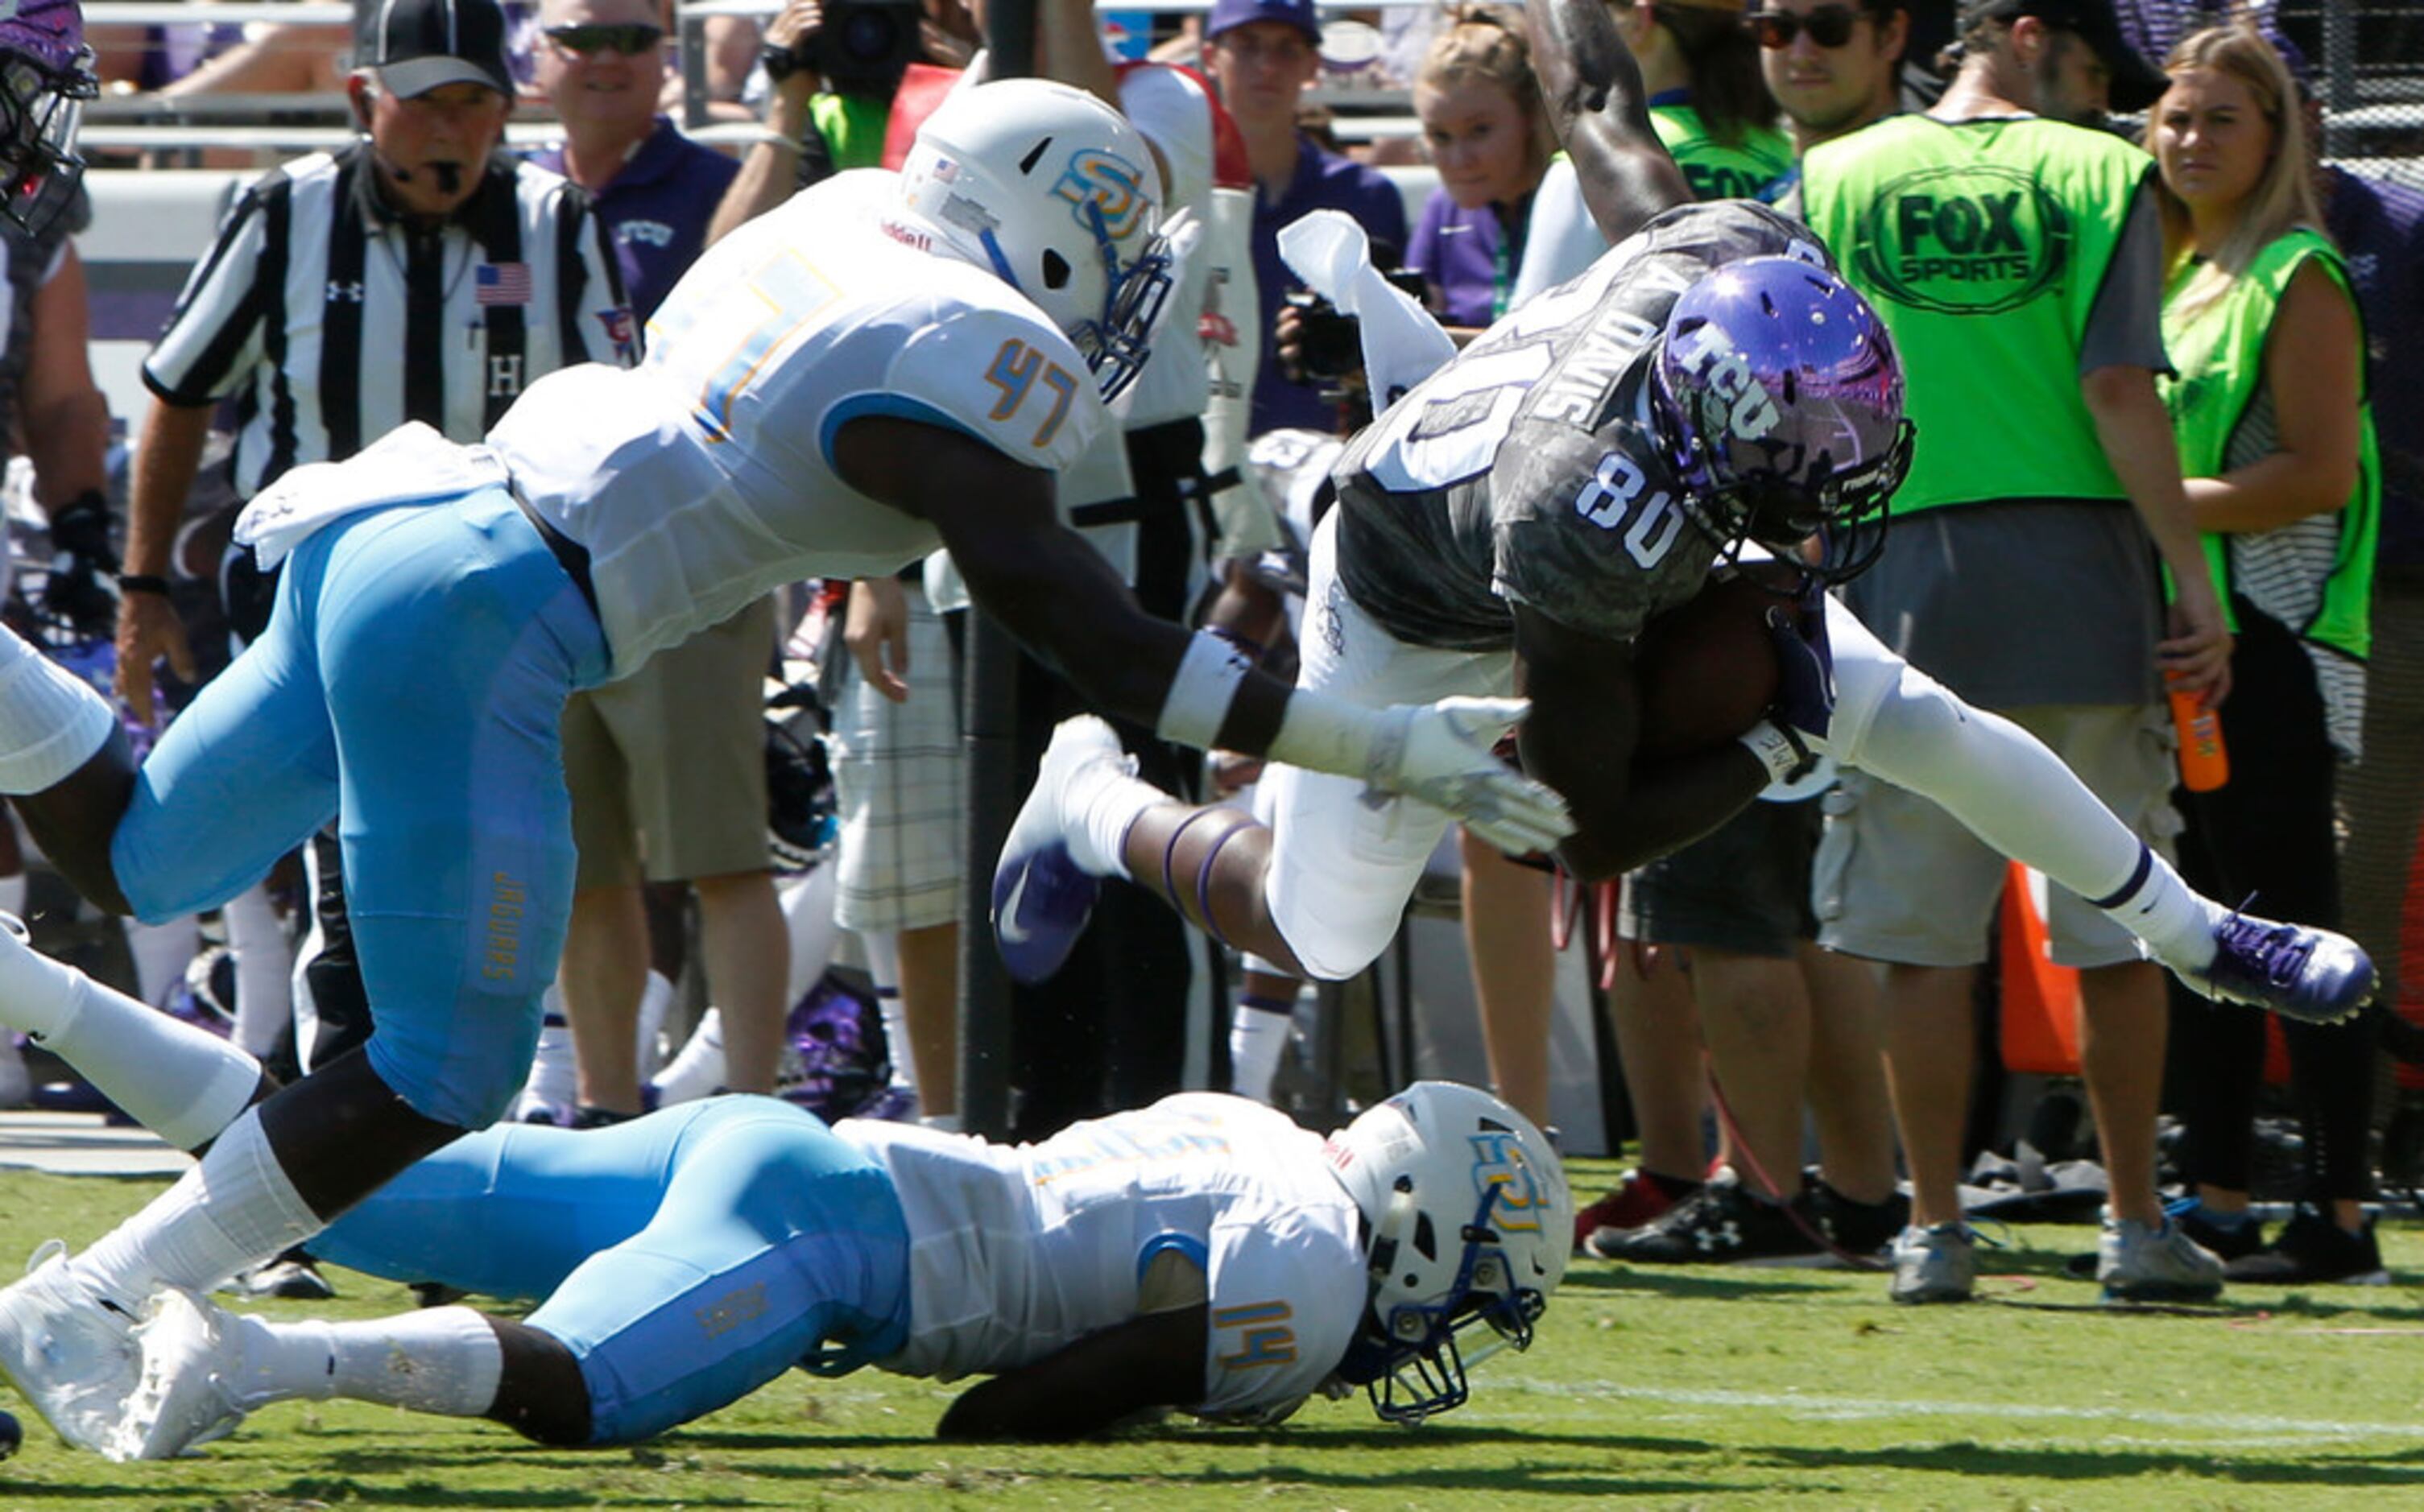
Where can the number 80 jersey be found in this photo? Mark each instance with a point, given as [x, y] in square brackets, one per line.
[705, 478]
[1527, 470]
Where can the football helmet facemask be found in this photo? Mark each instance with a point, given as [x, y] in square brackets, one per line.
[46, 75]
[1054, 191]
[1779, 398]
[1469, 1222]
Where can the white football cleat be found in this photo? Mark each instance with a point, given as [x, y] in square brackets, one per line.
[1042, 897]
[69, 1352]
[186, 1395]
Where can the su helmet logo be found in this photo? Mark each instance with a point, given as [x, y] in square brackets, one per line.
[1109, 183]
[1971, 240]
[1501, 1168]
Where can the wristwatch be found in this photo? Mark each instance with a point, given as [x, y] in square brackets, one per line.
[779, 62]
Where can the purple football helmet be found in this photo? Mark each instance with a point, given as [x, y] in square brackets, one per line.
[46, 75]
[1780, 399]
[834, 1051]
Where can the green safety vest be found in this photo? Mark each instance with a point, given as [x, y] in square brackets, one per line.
[1749, 170]
[2220, 357]
[1983, 245]
[852, 125]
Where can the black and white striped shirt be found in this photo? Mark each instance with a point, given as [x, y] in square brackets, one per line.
[333, 320]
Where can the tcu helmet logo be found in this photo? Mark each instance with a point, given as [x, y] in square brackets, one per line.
[1500, 1167]
[1734, 403]
[1107, 181]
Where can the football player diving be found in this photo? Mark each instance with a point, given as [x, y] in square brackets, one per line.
[886, 364]
[1707, 393]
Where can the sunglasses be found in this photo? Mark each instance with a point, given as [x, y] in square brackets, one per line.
[630, 39]
[1827, 25]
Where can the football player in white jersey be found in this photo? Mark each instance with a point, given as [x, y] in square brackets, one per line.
[1205, 1254]
[1707, 388]
[889, 364]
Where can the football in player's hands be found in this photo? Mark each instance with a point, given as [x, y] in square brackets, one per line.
[1706, 667]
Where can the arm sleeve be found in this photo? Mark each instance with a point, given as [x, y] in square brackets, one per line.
[2125, 325]
[213, 335]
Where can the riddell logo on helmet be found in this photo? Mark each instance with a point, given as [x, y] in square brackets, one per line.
[1976, 239]
[1108, 183]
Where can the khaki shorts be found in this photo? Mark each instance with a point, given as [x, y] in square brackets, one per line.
[667, 767]
[1898, 879]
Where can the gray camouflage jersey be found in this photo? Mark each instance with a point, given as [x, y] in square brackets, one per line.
[1526, 470]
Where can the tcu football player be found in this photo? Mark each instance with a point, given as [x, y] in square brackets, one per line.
[1203, 1255]
[884, 365]
[1709, 390]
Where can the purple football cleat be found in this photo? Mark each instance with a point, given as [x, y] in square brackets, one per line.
[1042, 897]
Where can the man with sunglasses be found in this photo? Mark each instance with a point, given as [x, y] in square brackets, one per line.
[2017, 260]
[666, 767]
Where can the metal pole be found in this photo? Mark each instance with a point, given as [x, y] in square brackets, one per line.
[989, 727]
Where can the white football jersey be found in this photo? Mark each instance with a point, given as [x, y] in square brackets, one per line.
[705, 478]
[1016, 1250]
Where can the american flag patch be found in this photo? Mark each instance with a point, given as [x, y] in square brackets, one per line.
[504, 283]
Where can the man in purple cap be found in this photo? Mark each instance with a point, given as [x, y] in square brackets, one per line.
[1261, 54]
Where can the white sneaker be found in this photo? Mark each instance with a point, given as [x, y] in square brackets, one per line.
[698, 1070]
[69, 1352]
[187, 1394]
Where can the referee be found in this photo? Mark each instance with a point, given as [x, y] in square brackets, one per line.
[416, 274]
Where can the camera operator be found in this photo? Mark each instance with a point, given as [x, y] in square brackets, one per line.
[832, 68]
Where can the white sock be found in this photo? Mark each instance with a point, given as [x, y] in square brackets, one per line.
[160, 952]
[698, 1070]
[1258, 1036]
[656, 1001]
[12, 892]
[235, 1210]
[1098, 807]
[444, 1359]
[2015, 794]
[37, 994]
[50, 720]
[265, 966]
[181, 1081]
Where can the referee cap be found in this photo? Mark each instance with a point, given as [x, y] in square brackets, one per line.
[420, 45]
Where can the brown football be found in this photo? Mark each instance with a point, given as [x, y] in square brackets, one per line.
[1706, 668]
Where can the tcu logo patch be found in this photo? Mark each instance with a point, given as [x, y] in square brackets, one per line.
[1735, 403]
[1110, 184]
[1499, 1164]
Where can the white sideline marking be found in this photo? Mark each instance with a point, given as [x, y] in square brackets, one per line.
[1849, 1407]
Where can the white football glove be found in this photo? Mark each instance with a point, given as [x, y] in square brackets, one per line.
[1441, 754]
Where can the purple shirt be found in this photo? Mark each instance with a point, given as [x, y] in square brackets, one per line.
[1324, 181]
[2380, 228]
[657, 208]
[1468, 257]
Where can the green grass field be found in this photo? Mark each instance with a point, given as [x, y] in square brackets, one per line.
[1707, 1388]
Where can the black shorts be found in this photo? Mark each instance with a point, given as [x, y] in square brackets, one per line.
[1744, 888]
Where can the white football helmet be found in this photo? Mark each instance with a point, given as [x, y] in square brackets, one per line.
[1470, 1222]
[1054, 191]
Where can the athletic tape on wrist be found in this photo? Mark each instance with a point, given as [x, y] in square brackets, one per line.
[1198, 702]
[1779, 748]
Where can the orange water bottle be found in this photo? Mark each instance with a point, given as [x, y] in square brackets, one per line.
[2204, 764]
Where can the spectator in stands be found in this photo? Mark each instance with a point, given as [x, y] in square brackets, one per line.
[1784, 1025]
[2276, 442]
[1260, 55]
[414, 275]
[2016, 575]
[1488, 135]
[667, 766]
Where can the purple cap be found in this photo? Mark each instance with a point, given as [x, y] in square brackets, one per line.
[1227, 14]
